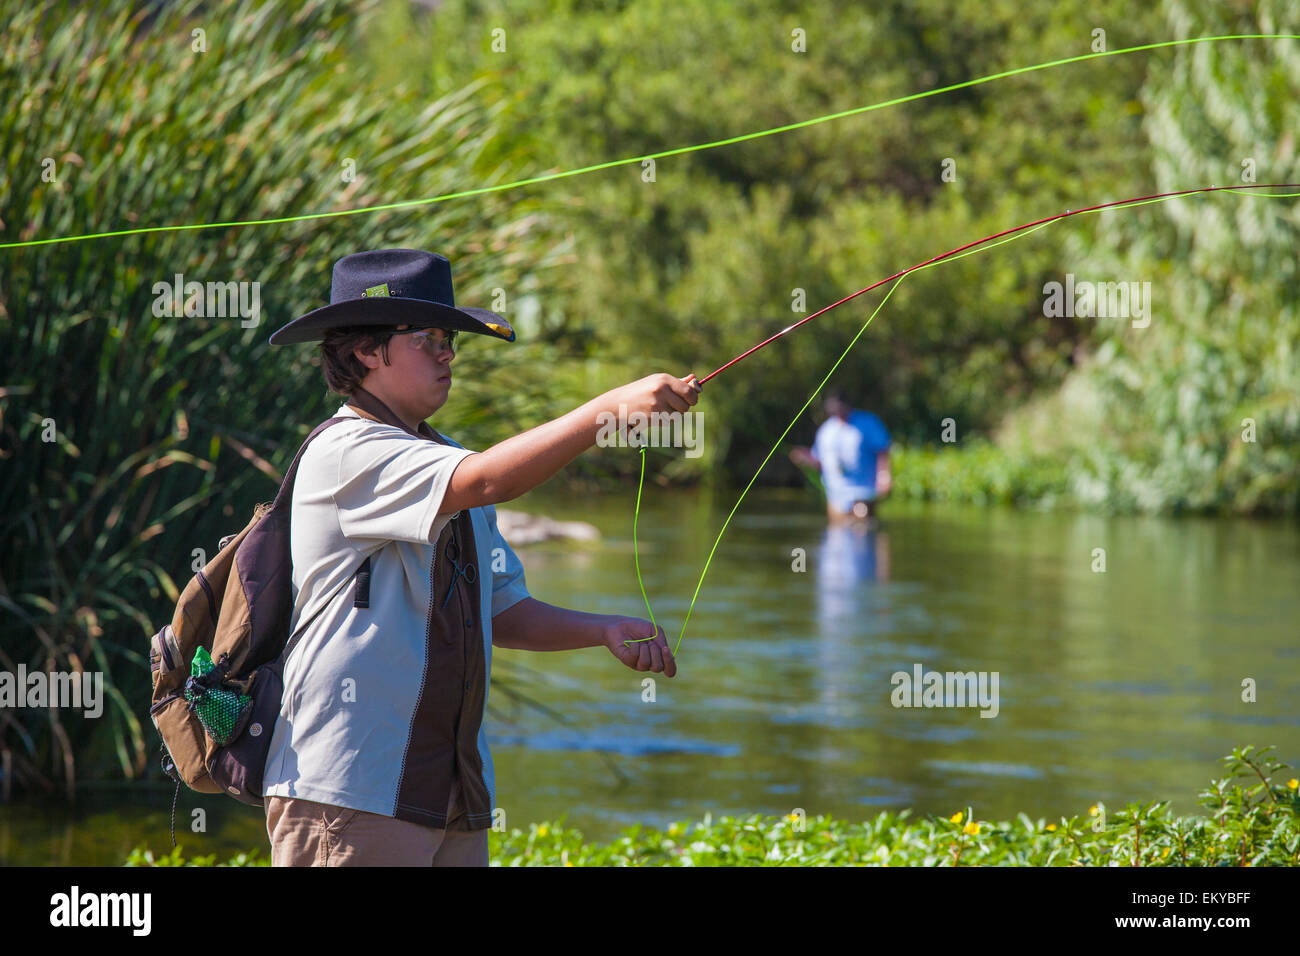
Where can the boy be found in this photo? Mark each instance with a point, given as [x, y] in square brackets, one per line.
[402, 582]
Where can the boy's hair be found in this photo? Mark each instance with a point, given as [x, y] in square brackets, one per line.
[343, 370]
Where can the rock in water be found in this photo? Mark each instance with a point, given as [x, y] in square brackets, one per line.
[523, 529]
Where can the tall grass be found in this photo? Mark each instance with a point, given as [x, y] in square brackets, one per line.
[130, 442]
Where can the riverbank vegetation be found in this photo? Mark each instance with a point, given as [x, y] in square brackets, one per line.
[1253, 820]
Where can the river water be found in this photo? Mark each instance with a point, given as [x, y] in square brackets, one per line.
[1119, 685]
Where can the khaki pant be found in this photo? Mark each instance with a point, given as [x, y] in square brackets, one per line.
[306, 833]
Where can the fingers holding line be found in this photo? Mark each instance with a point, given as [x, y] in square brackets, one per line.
[651, 654]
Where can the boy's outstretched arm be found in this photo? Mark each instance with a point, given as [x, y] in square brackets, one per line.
[519, 464]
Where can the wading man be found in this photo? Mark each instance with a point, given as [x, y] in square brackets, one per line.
[402, 583]
[851, 451]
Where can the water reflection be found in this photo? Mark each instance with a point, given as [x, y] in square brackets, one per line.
[850, 566]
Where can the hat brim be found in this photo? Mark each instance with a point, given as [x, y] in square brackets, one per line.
[391, 310]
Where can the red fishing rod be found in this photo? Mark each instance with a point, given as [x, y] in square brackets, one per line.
[977, 242]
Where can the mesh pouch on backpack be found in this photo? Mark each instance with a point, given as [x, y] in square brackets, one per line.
[221, 710]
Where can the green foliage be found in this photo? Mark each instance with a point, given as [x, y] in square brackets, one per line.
[1200, 411]
[684, 272]
[168, 430]
[140, 856]
[1251, 825]
[1257, 824]
[977, 473]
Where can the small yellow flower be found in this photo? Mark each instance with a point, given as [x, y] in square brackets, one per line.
[543, 829]
[567, 863]
[955, 818]
[972, 828]
[1293, 783]
[672, 830]
[1051, 826]
[1166, 853]
[1093, 811]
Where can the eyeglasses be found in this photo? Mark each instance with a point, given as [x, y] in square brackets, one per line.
[425, 339]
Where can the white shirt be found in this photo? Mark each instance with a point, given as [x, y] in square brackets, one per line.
[353, 681]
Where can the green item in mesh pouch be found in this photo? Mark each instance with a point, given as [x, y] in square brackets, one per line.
[221, 711]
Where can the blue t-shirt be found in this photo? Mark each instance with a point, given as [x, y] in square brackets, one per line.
[847, 452]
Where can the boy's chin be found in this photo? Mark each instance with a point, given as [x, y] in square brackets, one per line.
[439, 398]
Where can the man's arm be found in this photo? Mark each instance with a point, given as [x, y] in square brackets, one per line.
[810, 457]
[533, 625]
[802, 455]
[509, 468]
[884, 479]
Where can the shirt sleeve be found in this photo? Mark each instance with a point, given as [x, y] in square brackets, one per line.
[508, 585]
[876, 434]
[391, 484]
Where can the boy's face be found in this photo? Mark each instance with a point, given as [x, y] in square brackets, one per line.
[417, 381]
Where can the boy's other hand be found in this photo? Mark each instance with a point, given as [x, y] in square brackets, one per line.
[641, 655]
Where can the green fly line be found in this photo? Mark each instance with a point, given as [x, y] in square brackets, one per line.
[681, 150]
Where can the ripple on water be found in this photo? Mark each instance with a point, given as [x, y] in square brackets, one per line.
[986, 768]
[633, 743]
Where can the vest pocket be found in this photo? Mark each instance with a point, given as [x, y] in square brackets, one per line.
[186, 741]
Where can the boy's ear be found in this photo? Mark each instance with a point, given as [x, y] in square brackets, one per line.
[369, 356]
[366, 357]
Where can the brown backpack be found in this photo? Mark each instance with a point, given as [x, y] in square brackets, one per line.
[217, 667]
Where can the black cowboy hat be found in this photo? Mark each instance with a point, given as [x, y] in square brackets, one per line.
[392, 287]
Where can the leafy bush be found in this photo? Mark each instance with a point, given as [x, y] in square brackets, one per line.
[1199, 411]
[978, 472]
